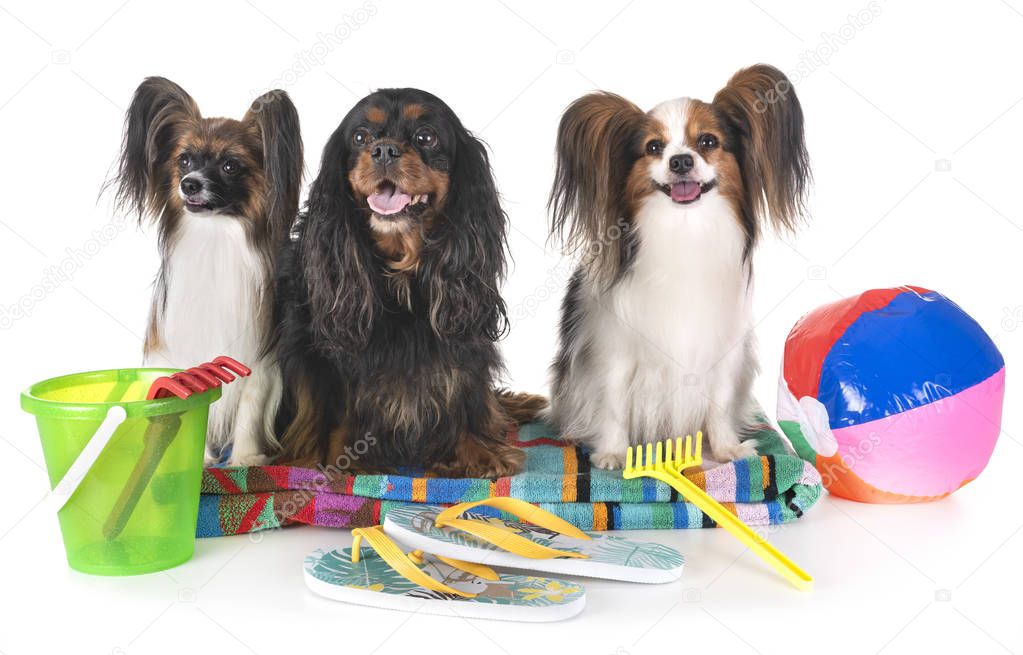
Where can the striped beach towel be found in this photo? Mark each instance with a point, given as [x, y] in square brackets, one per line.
[774, 487]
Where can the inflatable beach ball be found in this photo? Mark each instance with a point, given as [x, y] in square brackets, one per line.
[895, 395]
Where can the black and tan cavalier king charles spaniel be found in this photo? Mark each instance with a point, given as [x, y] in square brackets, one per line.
[388, 303]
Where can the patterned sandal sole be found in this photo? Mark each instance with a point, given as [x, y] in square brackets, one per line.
[372, 582]
[604, 556]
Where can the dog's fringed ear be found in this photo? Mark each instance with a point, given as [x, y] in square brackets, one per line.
[464, 252]
[158, 110]
[596, 149]
[761, 103]
[275, 116]
[337, 257]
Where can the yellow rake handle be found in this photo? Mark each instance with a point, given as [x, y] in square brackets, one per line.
[506, 540]
[664, 463]
[763, 549]
[800, 578]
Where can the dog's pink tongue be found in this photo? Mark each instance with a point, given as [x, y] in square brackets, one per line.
[390, 201]
[685, 191]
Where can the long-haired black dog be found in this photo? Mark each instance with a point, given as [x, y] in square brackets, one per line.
[388, 300]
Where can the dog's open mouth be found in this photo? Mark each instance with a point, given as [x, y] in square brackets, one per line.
[197, 204]
[391, 200]
[687, 191]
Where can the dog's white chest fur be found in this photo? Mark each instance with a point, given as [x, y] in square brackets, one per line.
[213, 289]
[214, 282]
[685, 299]
[667, 350]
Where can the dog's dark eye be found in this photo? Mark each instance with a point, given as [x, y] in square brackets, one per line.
[231, 167]
[654, 147]
[183, 161]
[707, 142]
[360, 138]
[426, 138]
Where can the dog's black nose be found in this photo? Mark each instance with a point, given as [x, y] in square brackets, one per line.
[190, 186]
[681, 163]
[385, 153]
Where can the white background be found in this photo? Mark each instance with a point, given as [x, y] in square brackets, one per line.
[889, 95]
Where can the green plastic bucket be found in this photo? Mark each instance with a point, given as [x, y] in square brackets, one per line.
[132, 510]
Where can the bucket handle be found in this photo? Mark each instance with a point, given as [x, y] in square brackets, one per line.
[68, 484]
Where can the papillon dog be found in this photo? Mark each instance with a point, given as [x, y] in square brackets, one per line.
[666, 207]
[223, 193]
[389, 303]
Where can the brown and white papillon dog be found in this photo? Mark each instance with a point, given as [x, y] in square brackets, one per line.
[223, 193]
[656, 335]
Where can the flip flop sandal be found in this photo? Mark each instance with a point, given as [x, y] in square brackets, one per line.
[388, 578]
[540, 542]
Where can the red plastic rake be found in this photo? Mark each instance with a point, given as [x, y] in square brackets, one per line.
[198, 379]
[161, 430]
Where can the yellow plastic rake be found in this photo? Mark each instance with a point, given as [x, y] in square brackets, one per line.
[666, 460]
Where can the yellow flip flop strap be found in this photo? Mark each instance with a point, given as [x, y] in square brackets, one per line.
[397, 560]
[502, 538]
[478, 570]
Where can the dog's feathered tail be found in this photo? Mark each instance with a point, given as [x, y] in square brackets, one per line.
[521, 407]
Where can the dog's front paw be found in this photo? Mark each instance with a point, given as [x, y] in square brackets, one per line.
[482, 458]
[210, 459]
[253, 459]
[737, 450]
[609, 461]
[497, 468]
